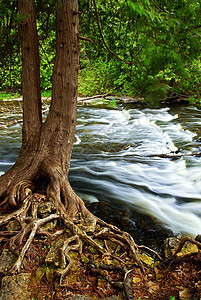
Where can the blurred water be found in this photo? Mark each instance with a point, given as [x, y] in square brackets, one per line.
[113, 161]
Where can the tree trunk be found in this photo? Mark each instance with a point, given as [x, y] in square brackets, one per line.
[46, 147]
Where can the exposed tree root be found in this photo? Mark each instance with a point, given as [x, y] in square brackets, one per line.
[65, 255]
[183, 240]
[125, 284]
[36, 225]
[63, 204]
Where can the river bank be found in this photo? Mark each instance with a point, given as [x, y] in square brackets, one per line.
[91, 277]
[131, 160]
[110, 148]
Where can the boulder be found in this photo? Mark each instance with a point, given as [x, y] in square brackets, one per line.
[16, 287]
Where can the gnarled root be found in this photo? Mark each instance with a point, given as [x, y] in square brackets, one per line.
[65, 255]
[183, 240]
[103, 269]
[85, 229]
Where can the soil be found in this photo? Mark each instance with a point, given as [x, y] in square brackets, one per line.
[174, 279]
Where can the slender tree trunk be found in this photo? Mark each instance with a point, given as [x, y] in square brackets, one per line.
[24, 168]
[46, 147]
[32, 113]
[61, 121]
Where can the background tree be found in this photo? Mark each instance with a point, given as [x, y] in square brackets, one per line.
[159, 41]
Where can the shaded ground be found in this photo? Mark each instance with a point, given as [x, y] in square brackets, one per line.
[179, 278]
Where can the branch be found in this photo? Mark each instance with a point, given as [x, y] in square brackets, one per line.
[160, 8]
[102, 37]
[182, 242]
[175, 155]
[85, 38]
[93, 97]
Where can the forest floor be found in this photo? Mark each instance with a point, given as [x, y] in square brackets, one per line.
[178, 278]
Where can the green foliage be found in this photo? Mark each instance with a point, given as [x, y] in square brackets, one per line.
[157, 41]
[161, 40]
[112, 104]
[5, 95]
[46, 93]
[156, 92]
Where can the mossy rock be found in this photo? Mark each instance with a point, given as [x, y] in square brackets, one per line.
[7, 260]
[147, 259]
[171, 244]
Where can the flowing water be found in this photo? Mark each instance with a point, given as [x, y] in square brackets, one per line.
[117, 168]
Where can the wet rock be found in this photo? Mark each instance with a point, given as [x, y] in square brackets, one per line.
[16, 287]
[198, 238]
[170, 245]
[7, 260]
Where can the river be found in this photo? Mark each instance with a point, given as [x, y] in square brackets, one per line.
[117, 169]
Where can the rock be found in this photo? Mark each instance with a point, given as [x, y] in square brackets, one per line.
[198, 238]
[147, 259]
[50, 226]
[185, 294]
[7, 260]
[171, 244]
[16, 287]
[87, 224]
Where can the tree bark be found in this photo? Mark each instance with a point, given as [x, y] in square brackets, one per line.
[46, 147]
[32, 111]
